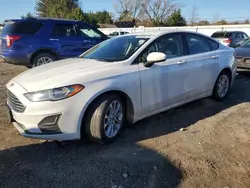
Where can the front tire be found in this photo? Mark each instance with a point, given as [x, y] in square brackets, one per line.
[105, 119]
[222, 86]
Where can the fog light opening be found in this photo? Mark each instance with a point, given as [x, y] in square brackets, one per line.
[50, 120]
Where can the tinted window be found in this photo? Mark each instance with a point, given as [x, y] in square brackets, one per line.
[213, 45]
[221, 35]
[171, 45]
[64, 30]
[114, 34]
[239, 35]
[197, 44]
[116, 49]
[24, 28]
[87, 31]
[245, 36]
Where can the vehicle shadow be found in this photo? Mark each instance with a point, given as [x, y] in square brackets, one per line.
[126, 162]
[187, 115]
[86, 165]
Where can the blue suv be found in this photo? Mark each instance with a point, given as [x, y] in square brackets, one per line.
[36, 41]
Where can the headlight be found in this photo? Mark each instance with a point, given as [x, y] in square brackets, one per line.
[54, 94]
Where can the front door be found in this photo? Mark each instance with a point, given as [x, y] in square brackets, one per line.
[89, 36]
[165, 83]
[64, 36]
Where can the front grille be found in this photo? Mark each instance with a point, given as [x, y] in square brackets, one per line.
[14, 102]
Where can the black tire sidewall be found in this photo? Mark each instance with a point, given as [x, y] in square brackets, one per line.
[35, 60]
[215, 91]
[99, 108]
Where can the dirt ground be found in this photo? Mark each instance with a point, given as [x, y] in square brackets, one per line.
[213, 151]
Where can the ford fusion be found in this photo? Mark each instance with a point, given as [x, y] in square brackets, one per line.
[123, 79]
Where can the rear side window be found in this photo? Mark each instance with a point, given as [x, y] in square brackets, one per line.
[221, 35]
[23, 28]
[197, 44]
[64, 30]
[239, 35]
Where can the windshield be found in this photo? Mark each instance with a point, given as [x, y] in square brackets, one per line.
[116, 49]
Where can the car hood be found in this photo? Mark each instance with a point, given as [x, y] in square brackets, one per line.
[61, 73]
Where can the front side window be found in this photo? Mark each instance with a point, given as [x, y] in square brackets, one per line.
[87, 31]
[64, 30]
[116, 49]
[197, 44]
[171, 45]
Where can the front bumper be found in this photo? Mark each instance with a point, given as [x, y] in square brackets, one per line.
[28, 123]
[243, 63]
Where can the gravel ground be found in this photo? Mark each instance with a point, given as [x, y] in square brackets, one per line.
[212, 151]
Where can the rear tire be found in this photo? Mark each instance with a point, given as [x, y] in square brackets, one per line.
[42, 58]
[101, 121]
[222, 86]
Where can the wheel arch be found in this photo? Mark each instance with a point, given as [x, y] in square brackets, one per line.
[43, 50]
[122, 94]
[229, 71]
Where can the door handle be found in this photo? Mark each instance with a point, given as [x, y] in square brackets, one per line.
[181, 62]
[215, 56]
[54, 39]
[87, 41]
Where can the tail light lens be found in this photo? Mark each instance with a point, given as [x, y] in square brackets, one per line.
[11, 39]
[227, 41]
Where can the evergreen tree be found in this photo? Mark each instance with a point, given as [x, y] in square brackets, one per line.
[176, 19]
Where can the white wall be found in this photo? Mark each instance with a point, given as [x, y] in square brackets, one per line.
[208, 30]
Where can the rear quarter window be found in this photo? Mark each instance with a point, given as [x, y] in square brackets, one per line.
[213, 44]
[24, 28]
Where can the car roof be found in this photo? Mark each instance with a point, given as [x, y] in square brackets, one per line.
[229, 32]
[42, 19]
[160, 33]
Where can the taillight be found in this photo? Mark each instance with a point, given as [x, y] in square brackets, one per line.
[227, 41]
[11, 39]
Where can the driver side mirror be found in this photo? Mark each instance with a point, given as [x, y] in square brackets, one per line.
[155, 57]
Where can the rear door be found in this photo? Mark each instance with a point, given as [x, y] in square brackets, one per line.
[204, 60]
[64, 36]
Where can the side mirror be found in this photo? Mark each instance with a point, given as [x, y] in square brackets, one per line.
[155, 57]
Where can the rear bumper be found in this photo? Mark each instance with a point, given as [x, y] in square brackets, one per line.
[15, 58]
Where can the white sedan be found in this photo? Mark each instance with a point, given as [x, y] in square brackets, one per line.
[123, 79]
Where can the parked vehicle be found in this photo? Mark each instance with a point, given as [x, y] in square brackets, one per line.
[122, 79]
[118, 33]
[243, 55]
[231, 38]
[36, 41]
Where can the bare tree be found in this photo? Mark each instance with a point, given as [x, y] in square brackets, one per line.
[194, 15]
[130, 9]
[159, 10]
